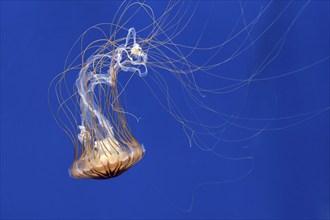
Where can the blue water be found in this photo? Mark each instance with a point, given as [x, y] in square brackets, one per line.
[286, 175]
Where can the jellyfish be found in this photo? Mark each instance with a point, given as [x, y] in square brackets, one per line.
[94, 115]
[108, 148]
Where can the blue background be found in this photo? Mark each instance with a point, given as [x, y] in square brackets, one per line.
[287, 178]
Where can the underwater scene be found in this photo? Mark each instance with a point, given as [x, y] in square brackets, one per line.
[164, 109]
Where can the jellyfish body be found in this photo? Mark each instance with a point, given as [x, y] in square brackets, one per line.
[108, 147]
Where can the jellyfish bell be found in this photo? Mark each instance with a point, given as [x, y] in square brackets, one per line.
[106, 159]
[108, 147]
